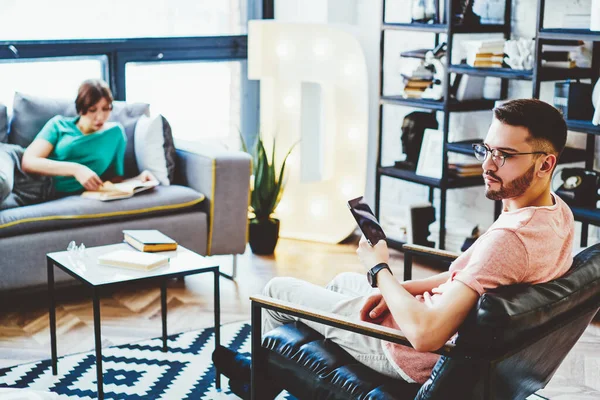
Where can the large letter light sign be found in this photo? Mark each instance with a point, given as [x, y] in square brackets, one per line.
[313, 89]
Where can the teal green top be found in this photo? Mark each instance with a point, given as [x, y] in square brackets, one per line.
[103, 151]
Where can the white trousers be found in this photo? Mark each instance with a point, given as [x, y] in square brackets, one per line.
[344, 295]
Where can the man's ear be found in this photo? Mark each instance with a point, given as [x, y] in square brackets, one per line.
[548, 163]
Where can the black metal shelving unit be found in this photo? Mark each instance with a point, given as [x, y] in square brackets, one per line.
[449, 105]
[446, 106]
[586, 216]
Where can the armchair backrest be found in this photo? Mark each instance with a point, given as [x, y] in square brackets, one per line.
[516, 337]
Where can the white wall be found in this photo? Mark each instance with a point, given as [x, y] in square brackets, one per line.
[463, 204]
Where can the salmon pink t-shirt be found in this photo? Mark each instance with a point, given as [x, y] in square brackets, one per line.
[529, 245]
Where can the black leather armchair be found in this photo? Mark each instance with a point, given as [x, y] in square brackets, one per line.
[508, 347]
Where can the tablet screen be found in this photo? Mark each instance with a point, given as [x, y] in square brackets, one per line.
[366, 220]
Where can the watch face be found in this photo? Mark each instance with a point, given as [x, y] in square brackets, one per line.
[370, 278]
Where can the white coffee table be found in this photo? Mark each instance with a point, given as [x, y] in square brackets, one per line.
[87, 270]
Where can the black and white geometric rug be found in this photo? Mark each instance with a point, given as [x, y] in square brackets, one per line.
[140, 370]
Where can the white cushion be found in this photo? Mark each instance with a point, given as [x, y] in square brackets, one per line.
[149, 147]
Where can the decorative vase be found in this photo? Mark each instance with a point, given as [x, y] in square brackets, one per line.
[263, 235]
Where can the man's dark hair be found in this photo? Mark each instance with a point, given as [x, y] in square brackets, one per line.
[91, 92]
[546, 125]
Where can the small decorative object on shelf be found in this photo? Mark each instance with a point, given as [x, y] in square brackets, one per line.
[423, 11]
[436, 58]
[463, 14]
[413, 128]
[430, 156]
[520, 53]
[574, 100]
[578, 187]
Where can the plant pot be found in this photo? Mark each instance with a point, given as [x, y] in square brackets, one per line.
[264, 234]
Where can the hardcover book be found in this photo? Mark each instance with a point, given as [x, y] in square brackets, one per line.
[133, 260]
[149, 240]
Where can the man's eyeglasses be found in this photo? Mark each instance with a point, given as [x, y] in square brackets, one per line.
[498, 156]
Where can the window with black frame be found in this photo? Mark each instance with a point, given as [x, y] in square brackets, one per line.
[186, 58]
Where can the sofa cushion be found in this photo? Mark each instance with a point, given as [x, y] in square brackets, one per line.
[30, 114]
[154, 148]
[74, 211]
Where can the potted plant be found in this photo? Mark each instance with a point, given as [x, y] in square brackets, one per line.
[267, 188]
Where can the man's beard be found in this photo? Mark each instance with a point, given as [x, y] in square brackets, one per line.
[514, 188]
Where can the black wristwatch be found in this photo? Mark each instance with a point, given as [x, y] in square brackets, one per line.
[372, 274]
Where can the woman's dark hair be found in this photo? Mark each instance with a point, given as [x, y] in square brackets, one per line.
[91, 92]
[546, 125]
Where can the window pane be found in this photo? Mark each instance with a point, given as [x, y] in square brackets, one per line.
[49, 78]
[200, 99]
[80, 19]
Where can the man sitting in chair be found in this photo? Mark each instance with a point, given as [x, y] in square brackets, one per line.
[531, 242]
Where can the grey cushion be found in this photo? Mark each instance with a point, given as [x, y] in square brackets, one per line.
[30, 114]
[3, 124]
[74, 211]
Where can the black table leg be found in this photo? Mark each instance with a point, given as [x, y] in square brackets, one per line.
[96, 301]
[52, 313]
[217, 301]
[163, 309]
[256, 350]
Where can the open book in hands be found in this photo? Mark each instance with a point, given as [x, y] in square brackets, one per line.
[123, 190]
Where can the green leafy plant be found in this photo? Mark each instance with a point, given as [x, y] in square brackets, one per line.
[268, 183]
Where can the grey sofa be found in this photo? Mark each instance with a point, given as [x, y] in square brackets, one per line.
[204, 209]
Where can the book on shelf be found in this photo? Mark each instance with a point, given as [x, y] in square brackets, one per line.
[562, 42]
[132, 259]
[149, 240]
[559, 47]
[487, 64]
[122, 190]
[559, 64]
[416, 84]
[556, 56]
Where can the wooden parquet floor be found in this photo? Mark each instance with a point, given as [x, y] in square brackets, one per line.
[132, 313]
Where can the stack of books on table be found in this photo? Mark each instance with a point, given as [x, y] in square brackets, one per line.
[147, 241]
[565, 54]
[485, 53]
[417, 82]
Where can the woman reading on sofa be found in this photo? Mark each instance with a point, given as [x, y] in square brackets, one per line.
[79, 153]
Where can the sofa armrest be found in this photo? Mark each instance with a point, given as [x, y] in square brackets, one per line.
[223, 176]
[338, 321]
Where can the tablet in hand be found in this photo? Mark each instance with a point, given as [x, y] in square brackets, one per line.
[366, 220]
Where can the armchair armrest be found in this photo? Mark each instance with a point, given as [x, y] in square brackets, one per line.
[418, 250]
[223, 176]
[338, 321]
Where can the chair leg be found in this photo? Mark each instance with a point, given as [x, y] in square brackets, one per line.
[233, 269]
